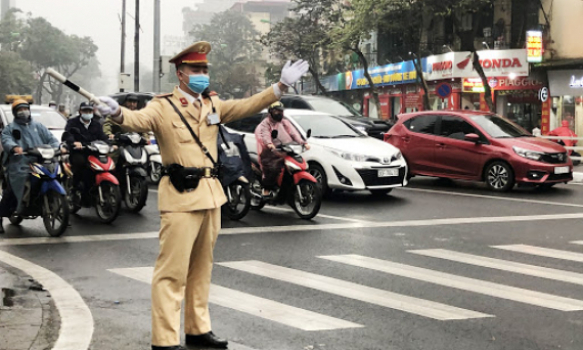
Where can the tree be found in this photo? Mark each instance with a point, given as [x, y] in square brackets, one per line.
[235, 52]
[15, 74]
[10, 30]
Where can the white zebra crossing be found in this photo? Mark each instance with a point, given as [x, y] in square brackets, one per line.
[540, 251]
[288, 315]
[463, 283]
[503, 265]
[355, 291]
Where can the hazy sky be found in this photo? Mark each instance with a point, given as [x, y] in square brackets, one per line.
[99, 19]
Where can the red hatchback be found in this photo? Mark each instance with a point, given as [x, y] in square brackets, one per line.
[478, 146]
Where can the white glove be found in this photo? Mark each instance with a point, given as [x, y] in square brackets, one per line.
[108, 106]
[291, 73]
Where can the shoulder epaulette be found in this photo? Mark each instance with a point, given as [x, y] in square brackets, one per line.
[213, 93]
[164, 95]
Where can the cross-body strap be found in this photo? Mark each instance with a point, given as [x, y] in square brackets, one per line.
[196, 139]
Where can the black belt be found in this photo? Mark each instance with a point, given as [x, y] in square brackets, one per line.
[206, 172]
[187, 179]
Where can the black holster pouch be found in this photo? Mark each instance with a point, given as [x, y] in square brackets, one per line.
[183, 179]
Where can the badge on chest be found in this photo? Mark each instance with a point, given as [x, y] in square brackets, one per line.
[213, 119]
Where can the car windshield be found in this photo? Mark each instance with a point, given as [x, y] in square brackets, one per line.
[324, 126]
[499, 127]
[333, 107]
[45, 116]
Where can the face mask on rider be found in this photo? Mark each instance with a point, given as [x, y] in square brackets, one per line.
[197, 83]
[23, 115]
[87, 117]
[277, 116]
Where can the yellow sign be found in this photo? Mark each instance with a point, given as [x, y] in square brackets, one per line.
[534, 46]
[388, 78]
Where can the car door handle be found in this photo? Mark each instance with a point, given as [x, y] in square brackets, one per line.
[441, 145]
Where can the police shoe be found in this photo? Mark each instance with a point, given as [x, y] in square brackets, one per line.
[177, 347]
[207, 340]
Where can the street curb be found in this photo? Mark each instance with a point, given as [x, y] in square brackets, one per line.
[577, 177]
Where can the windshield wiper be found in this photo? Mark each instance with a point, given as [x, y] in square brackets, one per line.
[341, 136]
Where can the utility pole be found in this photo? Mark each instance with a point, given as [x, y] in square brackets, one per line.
[137, 49]
[156, 46]
[123, 39]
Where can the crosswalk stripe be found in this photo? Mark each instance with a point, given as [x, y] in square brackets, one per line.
[463, 283]
[577, 242]
[504, 265]
[355, 291]
[268, 309]
[540, 251]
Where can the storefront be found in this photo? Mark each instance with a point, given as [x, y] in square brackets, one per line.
[566, 91]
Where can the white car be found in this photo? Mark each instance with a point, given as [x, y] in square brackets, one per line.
[341, 157]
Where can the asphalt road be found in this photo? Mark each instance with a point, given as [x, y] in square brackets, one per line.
[436, 266]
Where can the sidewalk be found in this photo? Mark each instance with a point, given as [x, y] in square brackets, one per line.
[578, 174]
[28, 318]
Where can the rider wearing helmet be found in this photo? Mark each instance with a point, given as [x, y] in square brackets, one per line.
[23, 133]
[271, 163]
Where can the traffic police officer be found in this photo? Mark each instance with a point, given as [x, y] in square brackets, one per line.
[191, 196]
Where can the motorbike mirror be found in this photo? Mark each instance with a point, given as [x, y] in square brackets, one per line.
[274, 134]
[309, 133]
[16, 134]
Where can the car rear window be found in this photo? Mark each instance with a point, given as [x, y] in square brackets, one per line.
[247, 125]
[424, 124]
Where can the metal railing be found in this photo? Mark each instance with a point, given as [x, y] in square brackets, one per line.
[578, 149]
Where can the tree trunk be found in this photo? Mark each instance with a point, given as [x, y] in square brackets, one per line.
[39, 89]
[487, 89]
[372, 89]
[422, 81]
[318, 82]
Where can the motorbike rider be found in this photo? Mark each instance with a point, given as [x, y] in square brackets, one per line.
[110, 128]
[86, 131]
[270, 161]
[23, 133]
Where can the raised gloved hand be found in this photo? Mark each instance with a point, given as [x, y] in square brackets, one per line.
[109, 106]
[291, 73]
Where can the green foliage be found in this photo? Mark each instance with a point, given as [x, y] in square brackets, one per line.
[235, 52]
[15, 75]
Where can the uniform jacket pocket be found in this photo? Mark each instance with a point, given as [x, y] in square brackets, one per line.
[181, 132]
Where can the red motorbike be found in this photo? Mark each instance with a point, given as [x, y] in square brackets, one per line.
[568, 134]
[295, 186]
[103, 191]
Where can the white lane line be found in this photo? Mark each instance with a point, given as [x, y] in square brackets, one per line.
[270, 310]
[463, 283]
[355, 291]
[76, 328]
[577, 242]
[545, 252]
[521, 200]
[287, 210]
[503, 265]
[295, 228]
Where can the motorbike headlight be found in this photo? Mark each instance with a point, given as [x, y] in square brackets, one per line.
[292, 166]
[528, 154]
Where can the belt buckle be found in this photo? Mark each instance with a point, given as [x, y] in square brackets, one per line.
[207, 172]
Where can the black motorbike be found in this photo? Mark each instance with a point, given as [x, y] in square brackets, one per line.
[131, 170]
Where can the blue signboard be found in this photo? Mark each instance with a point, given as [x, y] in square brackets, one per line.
[391, 74]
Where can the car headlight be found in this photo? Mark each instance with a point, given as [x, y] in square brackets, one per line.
[528, 154]
[397, 156]
[348, 156]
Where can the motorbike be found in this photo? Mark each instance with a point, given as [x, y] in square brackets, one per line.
[44, 196]
[568, 134]
[103, 191]
[235, 173]
[295, 186]
[154, 162]
[131, 170]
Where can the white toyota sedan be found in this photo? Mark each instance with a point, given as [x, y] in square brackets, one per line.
[341, 157]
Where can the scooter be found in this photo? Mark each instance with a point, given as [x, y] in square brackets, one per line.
[565, 131]
[44, 195]
[154, 162]
[131, 170]
[296, 186]
[103, 193]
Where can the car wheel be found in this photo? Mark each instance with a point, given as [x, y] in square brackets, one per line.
[499, 177]
[318, 172]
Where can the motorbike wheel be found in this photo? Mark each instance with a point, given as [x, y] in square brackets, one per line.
[73, 199]
[309, 205]
[56, 216]
[239, 201]
[108, 211]
[257, 203]
[15, 219]
[155, 172]
[136, 199]
[576, 161]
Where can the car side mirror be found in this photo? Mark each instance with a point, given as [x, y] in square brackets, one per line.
[274, 134]
[309, 133]
[475, 138]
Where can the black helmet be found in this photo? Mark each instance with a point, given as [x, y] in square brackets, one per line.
[276, 105]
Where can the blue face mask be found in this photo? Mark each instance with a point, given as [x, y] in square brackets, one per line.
[87, 117]
[198, 83]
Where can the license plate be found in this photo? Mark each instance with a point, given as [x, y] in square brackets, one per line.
[562, 170]
[388, 172]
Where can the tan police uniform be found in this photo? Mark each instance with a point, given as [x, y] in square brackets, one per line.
[190, 221]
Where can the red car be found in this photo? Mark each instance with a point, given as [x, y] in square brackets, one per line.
[478, 146]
